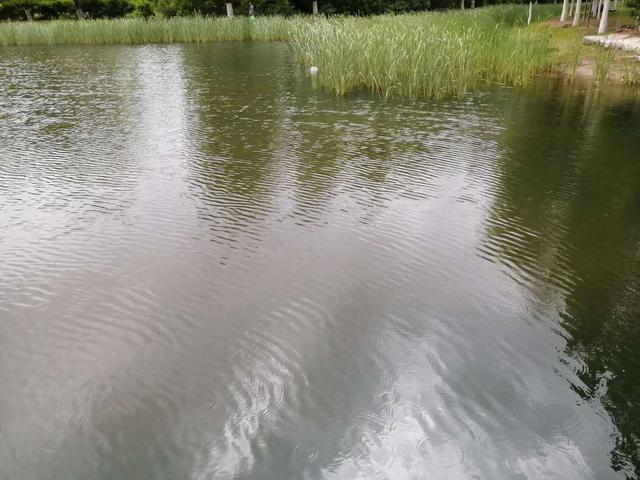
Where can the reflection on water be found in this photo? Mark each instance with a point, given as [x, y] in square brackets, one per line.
[585, 202]
[213, 271]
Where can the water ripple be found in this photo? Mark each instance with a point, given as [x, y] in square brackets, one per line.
[211, 270]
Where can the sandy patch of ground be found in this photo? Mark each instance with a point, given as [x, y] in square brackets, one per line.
[625, 41]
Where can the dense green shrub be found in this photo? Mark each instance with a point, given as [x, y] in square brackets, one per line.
[372, 7]
[635, 8]
[141, 9]
[270, 7]
[107, 8]
[47, 9]
[39, 9]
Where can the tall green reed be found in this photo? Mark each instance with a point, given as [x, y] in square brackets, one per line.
[575, 55]
[193, 29]
[605, 57]
[432, 55]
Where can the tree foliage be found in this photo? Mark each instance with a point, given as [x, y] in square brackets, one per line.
[48, 9]
[635, 8]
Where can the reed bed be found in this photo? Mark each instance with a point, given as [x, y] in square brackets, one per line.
[195, 29]
[430, 55]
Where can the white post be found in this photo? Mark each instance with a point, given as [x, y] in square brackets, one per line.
[565, 10]
[315, 7]
[229, 9]
[530, 12]
[576, 16]
[605, 17]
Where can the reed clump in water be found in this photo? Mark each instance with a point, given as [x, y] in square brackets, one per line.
[605, 57]
[430, 55]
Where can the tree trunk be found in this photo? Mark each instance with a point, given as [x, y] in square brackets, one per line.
[461, 4]
[576, 15]
[599, 14]
[315, 7]
[530, 12]
[229, 9]
[605, 17]
[565, 10]
[473, 3]
[571, 8]
[27, 12]
[79, 12]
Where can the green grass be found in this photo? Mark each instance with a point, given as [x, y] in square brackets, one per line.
[432, 55]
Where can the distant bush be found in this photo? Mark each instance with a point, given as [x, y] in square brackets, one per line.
[48, 9]
[141, 9]
[635, 8]
[107, 8]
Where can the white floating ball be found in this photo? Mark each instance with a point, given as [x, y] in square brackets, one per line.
[313, 71]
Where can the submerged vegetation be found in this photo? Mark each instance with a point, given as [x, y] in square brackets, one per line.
[431, 55]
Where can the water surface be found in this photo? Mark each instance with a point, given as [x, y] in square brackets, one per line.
[212, 270]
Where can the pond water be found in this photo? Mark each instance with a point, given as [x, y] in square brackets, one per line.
[212, 270]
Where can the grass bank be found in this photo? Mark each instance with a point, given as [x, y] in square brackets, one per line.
[576, 60]
[432, 55]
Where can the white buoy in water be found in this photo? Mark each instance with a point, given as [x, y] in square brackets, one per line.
[313, 71]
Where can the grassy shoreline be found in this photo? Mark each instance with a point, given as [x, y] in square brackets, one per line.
[576, 60]
[422, 55]
[199, 29]
[134, 31]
